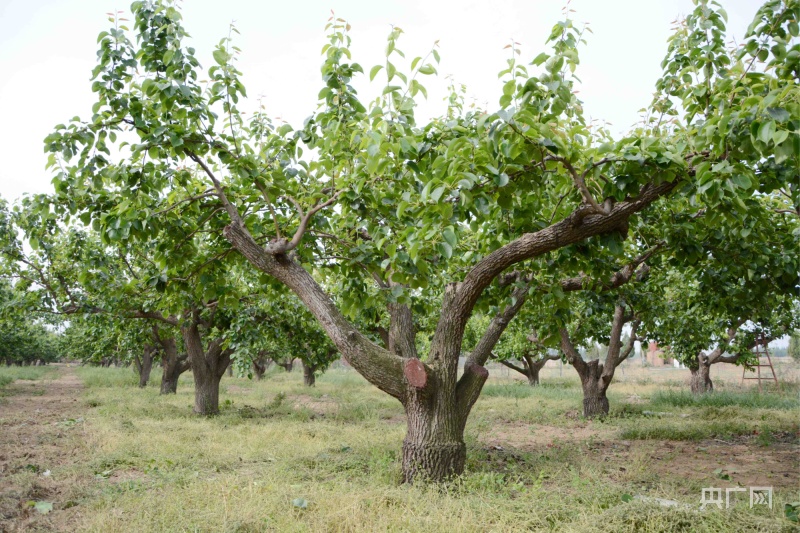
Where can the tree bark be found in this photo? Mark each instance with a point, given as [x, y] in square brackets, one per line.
[595, 402]
[172, 365]
[434, 448]
[287, 365]
[145, 365]
[701, 379]
[309, 376]
[208, 367]
[596, 376]
[260, 365]
[533, 375]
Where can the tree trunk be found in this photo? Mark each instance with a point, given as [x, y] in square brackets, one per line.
[434, 448]
[172, 365]
[145, 366]
[208, 367]
[701, 379]
[595, 402]
[309, 378]
[287, 365]
[260, 365]
[533, 375]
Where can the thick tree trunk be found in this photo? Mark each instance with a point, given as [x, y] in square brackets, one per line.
[595, 405]
[309, 378]
[595, 402]
[434, 448]
[533, 375]
[208, 367]
[701, 379]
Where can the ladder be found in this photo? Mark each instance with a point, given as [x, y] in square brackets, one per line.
[761, 350]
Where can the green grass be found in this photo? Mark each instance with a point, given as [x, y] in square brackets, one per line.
[533, 463]
[749, 400]
[10, 373]
[96, 376]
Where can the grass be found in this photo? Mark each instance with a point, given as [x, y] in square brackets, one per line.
[749, 399]
[95, 376]
[282, 457]
[10, 373]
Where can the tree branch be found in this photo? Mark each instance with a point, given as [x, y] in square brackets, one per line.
[282, 246]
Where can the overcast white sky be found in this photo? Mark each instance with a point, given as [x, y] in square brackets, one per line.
[48, 47]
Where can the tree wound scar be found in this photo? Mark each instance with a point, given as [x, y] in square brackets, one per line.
[479, 370]
[415, 373]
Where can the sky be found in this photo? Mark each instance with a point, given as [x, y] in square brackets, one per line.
[48, 49]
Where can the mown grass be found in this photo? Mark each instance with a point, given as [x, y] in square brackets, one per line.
[282, 457]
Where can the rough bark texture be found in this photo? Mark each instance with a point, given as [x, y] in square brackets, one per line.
[434, 446]
[309, 376]
[144, 365]
[700, 366]
[173, 365]
[208, 367]
[595, 402]
[701, 378]
[260, 365]
[596, 376]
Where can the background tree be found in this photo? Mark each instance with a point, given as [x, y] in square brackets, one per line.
[794, 345]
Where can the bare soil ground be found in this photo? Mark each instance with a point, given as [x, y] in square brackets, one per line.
[743, 460]
[40, 443]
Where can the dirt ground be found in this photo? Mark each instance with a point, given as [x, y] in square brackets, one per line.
[44, 456]
[742, 459]
[40, 445]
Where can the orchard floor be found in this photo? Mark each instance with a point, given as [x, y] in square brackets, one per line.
[283, 457]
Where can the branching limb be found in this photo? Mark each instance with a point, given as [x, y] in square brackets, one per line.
[281, 246]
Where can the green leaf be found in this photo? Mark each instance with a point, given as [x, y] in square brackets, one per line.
[427, 69]
[374, 71]
[501, 180]
[220, 56]
[765, 131]
[450, 235]
[780, 136]
[437, 193]
[445, 249]
[168, 56]
[541, 58]
[741, 181]
[778, 113]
